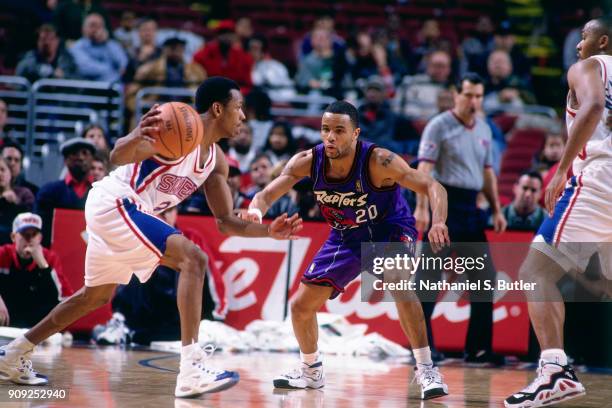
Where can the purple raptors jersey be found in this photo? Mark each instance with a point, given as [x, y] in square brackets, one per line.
[354, 208]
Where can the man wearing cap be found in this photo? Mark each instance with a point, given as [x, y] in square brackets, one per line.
[71, 192]
[379, 124]
[224, 56]
[31, 279]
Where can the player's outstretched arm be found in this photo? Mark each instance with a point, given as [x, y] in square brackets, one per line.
[139, 144]
[389, 168]
[219, 198]
[296, 169]
[584, 78]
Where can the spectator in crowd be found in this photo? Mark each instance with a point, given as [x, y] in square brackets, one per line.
[170, 69]
[257, 105]
[380, 125]
[478, 46]
[126, 32]
[224, 56]
[503, 87]
[524, 213]
[49, 60]
[13, 200]
[261, 175]
[280, 144]
[146, 312]
[366, 58]
[429, 39]
[445, 100]
[69, 14]
[33, 282]
[244, 31]
[456, 148]
[99, 167]
[322, 69]
[98, 57]
[268, 73]
[241, 147]
[326, 23]
[72, 191]
[12, 152]
[3, 120]
[551, 153]
[505, 40]
[95, 133]
[418, 95]
[147, 49]
[397, 46]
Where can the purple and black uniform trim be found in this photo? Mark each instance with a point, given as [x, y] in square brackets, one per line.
[358, 212]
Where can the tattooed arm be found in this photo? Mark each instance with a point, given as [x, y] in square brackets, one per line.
[386, 169]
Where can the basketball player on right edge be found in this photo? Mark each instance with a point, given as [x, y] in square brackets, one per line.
[357, 186]
[126, 238]
[581, 223]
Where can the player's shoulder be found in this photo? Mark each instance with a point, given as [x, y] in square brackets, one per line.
[381, 157]
[583, 66]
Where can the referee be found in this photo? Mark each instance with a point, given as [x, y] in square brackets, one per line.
[456, 149]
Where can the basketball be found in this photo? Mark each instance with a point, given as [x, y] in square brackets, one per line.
[181, 132]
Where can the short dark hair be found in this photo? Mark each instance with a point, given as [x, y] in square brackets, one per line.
[471, 77]
[214, 89]
[260, 156]
[344, 108]
[531, 174]
[12, 143]
[604, 26]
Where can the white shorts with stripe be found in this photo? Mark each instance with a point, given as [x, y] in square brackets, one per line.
[122, 239]
[581, 224]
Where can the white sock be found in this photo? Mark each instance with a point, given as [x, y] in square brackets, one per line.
[21, 343]
[422, 356]
[187, 351]
[311, 358]
[556, 356]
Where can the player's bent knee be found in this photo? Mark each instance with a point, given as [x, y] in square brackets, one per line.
[93, 299]
[300, 309]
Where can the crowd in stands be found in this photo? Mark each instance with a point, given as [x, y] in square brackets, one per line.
[398, 82]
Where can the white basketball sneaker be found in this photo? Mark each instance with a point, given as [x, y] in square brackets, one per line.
[553, 384]
[17, 368]
[430, 380]
[197, 377]
[307, 376]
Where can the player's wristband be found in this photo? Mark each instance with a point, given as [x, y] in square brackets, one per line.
[257, 212]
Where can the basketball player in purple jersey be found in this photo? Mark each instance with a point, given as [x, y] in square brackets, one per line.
[357, 187]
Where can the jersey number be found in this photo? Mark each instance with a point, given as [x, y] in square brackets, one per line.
[162, 206]
[361, 214]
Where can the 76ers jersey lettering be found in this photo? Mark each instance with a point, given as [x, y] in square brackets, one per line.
[157, 184]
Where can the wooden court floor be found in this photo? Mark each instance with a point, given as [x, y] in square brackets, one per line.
[112, 377]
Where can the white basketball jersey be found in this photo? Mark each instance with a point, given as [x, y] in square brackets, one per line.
[598, 150]
[157, 184]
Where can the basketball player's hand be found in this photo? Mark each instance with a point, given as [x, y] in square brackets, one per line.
[553, 190]
[284, 227]
[4, 314]
[421, 216]
[438, 236]
[499, 222]
[150, 125]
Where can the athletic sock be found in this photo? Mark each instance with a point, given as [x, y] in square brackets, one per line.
[556, 356]
[422, 356]
[187, 352]
[21, 343]
[311, 358]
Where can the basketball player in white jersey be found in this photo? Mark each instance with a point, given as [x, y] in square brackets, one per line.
[125, 237]
[580, 225]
